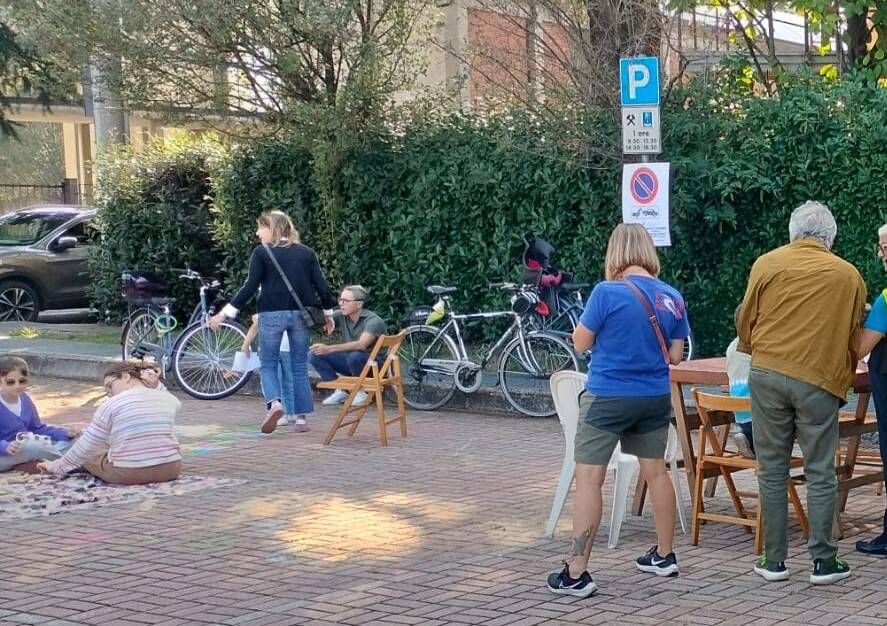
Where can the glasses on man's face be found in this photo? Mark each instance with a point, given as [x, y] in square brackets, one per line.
[341, 300]
[109, 386]
[12, 382]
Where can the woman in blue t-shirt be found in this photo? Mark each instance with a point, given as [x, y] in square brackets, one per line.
[627, 398]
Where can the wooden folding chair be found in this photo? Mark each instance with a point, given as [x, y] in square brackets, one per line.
[709, 406]
[373, 379]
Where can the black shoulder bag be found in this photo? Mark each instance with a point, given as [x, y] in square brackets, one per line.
[312, 316]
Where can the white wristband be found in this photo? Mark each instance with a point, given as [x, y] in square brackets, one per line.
[229, 311]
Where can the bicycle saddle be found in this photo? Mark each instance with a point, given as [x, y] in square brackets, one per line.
[437, 290]
[574, 286]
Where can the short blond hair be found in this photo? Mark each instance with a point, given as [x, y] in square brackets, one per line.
[283, 233]
[630, 244]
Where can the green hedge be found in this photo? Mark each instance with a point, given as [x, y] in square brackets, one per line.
[155, 216]
[448, 200]
[269, 174]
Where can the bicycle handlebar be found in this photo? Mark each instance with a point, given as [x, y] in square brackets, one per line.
[507, 286]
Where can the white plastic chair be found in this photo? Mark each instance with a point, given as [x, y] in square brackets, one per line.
[565, 388]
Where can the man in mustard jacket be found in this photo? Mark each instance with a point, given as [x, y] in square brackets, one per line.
[800, 322]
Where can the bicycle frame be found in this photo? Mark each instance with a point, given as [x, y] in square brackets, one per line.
[516, 328]
[163, 352]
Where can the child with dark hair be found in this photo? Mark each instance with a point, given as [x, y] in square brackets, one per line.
[23, 437]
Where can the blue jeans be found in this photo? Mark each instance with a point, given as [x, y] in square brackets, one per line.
[32, 451]
[272, 326]
[331, 366]
[285, 378]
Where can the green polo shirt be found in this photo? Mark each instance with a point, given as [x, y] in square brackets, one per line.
[367, 322]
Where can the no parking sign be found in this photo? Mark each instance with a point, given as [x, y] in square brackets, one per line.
[645, 199]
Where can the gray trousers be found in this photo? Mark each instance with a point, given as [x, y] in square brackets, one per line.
[783, 409]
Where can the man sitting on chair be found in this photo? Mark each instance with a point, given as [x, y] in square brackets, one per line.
[360, 328]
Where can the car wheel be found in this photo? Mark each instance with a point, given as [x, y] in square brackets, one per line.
[19, 302]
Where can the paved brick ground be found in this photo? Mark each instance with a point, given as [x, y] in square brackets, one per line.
[444, 527]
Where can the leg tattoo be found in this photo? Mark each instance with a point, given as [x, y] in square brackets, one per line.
[582, 542]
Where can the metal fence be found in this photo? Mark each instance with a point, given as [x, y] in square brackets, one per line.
[16, 196]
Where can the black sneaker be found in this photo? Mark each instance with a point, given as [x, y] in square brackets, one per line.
[561, 583]
[828, 571]
[653, 563]
[771, 570]
[875, 547]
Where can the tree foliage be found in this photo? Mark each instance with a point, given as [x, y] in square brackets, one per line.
[859, 25]
[215, 58]
[23, 71]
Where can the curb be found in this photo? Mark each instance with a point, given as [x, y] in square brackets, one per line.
[487, 400]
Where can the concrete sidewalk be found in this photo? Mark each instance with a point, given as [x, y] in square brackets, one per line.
[443, 527]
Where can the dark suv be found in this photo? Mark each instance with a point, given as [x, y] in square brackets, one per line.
[43, 255]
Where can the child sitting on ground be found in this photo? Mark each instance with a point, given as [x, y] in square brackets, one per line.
[23, 437]
[738, 366]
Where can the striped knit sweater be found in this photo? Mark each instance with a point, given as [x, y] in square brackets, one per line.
[136, 428]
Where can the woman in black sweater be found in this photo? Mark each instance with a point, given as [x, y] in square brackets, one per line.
[279, 312]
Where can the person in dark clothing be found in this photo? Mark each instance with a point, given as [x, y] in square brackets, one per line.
[279, 312]
[872, 339]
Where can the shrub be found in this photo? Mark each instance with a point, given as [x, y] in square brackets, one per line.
[269, 174]
[154, 215]
[447, 200]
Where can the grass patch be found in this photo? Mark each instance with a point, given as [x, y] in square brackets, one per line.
[108, 337]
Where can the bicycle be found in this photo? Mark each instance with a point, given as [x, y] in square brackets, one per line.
[201, 360]
[569, 307]
[435, 361]
[562, 321]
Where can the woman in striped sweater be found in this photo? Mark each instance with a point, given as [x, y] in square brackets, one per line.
[131, 439]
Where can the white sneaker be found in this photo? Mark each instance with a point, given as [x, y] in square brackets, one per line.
[337, 397]
[275, 412]
[285, 420]
[360, 399]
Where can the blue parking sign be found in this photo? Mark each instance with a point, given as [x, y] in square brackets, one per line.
[639, 81]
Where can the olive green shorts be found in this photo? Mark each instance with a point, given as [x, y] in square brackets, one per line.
[640, 424]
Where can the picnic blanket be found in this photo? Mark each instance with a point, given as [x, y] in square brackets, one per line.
[23, 496]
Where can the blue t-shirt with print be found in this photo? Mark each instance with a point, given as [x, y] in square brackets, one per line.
[877, 317]
[626, 359]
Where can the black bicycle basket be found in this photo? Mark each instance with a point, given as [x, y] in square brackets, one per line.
[140, 287]
[416, 315]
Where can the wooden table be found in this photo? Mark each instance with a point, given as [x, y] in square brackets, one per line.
[713, 372]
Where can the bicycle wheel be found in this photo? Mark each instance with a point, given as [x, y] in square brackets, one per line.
[140, 338]
[203, 361]
[526, 367]
[428, 363]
